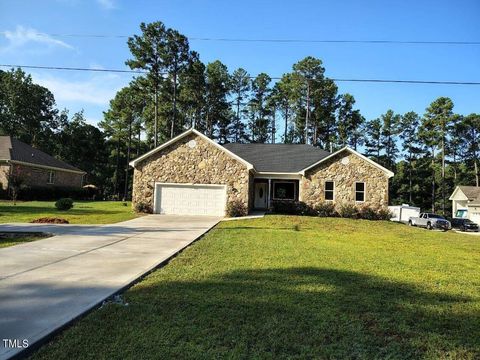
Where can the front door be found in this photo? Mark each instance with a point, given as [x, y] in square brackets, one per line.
[260, 196]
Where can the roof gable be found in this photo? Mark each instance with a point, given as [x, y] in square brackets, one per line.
[470, 193]
[181, 136]
[346, 148]
[16, 151]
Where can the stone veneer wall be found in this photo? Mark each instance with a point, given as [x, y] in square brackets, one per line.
[357, 170]
[4, 169]
[203, 164]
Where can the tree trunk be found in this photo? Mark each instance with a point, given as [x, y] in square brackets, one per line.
[155, 130]
[410, 178]
[174, 116]
[125, 191]
[273, 125]
[475, 158]
[307, 112]
[237, 127]
[443, 175]
[116, 190]
[476, 172]
[286, 125]
[139, 141]
[433, 180]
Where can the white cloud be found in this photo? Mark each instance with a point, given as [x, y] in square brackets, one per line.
[98, 89]
[22, 36]
[107, 4]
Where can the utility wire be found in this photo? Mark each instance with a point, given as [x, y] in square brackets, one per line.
[306, 41]
[432, 82]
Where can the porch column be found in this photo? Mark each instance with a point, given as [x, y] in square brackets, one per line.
[268, 196]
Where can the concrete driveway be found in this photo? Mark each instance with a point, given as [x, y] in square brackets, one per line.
[47, 283]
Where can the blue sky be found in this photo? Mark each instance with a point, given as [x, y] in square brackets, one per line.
[439, 20]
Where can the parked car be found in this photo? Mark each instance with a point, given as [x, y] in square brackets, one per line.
[464, 224]
[430, 221]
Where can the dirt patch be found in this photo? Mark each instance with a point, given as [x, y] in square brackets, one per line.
[50, 220]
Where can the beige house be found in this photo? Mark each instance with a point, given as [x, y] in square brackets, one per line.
[466, 203]
[36, 168]
[192, 174]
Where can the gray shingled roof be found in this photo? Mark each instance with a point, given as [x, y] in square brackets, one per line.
[15, 150]
[278, 157]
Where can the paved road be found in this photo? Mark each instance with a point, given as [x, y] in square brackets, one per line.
[47, 283]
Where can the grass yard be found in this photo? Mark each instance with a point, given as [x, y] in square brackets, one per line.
[296, 287]
[83, 212]
[6, 242]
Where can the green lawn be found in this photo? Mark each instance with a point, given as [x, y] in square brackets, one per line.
[83, 212]
[296, 287]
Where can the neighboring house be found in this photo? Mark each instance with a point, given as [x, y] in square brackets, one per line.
[466, 203]
[192, 174]
[36, 168]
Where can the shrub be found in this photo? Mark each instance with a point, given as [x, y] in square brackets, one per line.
[367, 213]
[236, 208]
[290, 207]
[384, 214]
[372, 213]
[64, 204]
[325, 209]
[142, 207]
[348, 211]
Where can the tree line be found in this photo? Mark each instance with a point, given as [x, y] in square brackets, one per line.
[175, 90]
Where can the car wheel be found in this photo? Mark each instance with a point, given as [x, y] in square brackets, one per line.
[464, 229]
[410, 223]
[429, 226]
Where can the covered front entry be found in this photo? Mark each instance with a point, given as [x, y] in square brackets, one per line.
[267, 190]
[190, 199]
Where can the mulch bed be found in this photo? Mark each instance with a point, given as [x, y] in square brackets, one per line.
[50, 220]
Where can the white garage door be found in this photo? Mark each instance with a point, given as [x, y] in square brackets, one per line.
[178, 199]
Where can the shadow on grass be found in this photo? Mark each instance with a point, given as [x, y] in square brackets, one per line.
[27, 210]
[279, 313]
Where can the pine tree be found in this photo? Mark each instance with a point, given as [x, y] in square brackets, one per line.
[240, 87]
[409, 136]
[218, 117]
[259, 112]
[193, 94]
[435, 125]
[390, 130]
[373, 140]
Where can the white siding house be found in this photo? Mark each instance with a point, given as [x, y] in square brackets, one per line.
[466, 203]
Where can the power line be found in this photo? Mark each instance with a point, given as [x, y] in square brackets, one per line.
[273, 40]
[431, 82]
[72, 68]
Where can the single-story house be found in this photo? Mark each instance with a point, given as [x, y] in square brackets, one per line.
[36, 168]
[192, 174]
[466, 203]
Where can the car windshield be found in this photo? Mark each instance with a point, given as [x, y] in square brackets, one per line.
[468, 221]
[434, 216]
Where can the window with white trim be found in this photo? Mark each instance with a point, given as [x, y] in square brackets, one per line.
[360, 191]
[51, 177]
[329, 190]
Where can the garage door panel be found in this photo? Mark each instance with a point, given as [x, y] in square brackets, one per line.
[190, 199]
